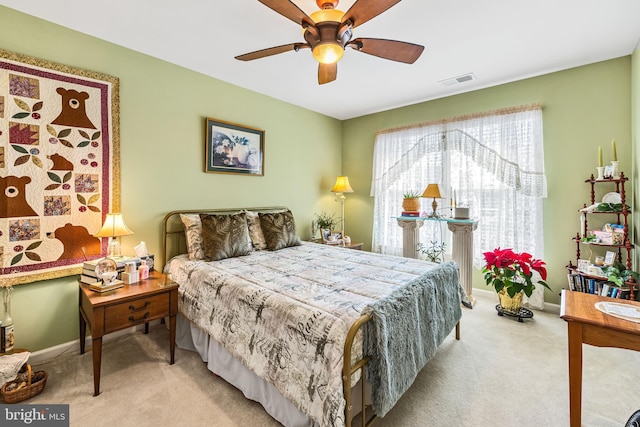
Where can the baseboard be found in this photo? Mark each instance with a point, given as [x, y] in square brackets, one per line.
[73, 347]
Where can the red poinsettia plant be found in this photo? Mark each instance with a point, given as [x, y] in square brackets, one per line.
[512, 271]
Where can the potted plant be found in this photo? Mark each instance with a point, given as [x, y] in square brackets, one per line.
[325, 222]
[510, 274]
[411, 201]
[434, 252]
[619, 274]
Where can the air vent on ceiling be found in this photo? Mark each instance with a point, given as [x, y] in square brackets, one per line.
[459, 79]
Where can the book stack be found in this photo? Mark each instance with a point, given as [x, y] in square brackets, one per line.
[411, 213]
[99, 287]
[89, 276]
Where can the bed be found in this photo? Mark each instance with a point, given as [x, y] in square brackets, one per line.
[315, 333]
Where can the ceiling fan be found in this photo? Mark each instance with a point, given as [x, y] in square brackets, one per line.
[329, 31]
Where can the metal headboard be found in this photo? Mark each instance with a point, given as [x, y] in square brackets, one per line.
[173, 239]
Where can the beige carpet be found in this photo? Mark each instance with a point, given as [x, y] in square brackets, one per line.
[502, 373]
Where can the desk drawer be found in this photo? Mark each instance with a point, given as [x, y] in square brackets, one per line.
[135, 312]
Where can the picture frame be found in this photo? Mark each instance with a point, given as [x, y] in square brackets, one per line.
[610, 258]
[324, 234]
[583, 265]
[608, 171]
[233, 148]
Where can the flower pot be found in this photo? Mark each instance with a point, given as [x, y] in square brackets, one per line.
[510, 304]
[411, 205]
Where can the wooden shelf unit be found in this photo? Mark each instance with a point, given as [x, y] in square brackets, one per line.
[621, 219]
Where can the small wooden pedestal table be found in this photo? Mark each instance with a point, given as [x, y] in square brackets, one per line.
[586, 324]
[131, 305]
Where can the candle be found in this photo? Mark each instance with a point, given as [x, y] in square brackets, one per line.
[613, 148]
[600, 155]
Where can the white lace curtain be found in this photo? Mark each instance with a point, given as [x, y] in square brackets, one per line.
[494, 163]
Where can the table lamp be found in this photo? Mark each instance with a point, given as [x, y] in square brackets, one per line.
[432, 190]
[342, 186]
[114, 227]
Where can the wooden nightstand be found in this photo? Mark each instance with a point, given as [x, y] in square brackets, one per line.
[131, 305]
[353, 245]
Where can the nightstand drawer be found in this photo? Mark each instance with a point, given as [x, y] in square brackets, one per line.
[135, 312]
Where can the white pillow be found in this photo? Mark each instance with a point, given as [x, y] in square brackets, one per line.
[193, 235]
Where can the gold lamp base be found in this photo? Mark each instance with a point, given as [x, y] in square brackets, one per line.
[434, 205]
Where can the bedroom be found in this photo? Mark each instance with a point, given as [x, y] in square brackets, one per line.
[162, 132]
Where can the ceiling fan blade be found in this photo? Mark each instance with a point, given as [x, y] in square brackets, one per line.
[362, 11]
[271, 51]
[289, 10]
[388, 49]
[327, 72]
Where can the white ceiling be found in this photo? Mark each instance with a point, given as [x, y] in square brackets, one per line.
[497, 40]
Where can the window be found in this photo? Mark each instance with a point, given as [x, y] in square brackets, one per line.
[493, 161]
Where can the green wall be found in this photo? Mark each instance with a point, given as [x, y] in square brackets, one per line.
[162, 110]
[582, 108]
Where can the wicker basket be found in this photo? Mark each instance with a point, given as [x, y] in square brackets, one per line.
[35, 382]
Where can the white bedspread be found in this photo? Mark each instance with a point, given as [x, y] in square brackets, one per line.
[285, 314]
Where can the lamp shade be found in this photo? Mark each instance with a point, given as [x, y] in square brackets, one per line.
[114, 226]
[432, 190]
[342, 185]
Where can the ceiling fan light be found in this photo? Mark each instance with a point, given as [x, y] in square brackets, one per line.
[324, 15]
[328, 53]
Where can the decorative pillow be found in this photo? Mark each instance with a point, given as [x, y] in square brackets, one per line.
[225, 236]
[279, 230]
[255, 231]
[193, 235]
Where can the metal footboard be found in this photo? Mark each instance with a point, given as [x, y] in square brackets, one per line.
[348, 370]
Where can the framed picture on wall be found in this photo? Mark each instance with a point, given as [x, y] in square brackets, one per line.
[233, 148]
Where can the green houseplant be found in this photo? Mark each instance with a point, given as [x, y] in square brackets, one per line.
[434, 252]
[619, 274]
[411, 201]
[411, 194]
[510, 274]
[326, 221]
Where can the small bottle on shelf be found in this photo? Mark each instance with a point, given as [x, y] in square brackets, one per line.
[143, 270]
[6, 328]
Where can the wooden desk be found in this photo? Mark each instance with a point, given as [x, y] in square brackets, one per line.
[124, 307]
[586, 324]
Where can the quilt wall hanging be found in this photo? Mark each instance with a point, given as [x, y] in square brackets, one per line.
[59, 166]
